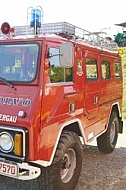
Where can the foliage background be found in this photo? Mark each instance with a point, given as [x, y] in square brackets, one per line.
[124, 81]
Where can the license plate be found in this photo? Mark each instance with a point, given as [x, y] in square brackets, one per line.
[8, 169]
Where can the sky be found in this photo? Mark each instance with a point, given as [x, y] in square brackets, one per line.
[91, 15]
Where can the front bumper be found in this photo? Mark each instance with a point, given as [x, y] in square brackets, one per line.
[21, 171]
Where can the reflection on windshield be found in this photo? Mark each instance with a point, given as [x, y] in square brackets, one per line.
[18, 62]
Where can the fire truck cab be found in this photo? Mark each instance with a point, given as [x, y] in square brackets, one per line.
[56, 87]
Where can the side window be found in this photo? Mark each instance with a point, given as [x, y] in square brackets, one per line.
[117, 70]
[91, 69]
[105, 70]
[56, 72]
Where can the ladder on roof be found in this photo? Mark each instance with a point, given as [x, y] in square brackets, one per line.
[70, 31]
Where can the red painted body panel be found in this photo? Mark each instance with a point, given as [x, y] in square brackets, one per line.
[49, 111]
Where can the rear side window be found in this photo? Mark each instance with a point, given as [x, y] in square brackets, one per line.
[91, 69]
[105, 70]
[117, 70]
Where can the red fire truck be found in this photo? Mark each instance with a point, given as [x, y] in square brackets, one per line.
[60, 88]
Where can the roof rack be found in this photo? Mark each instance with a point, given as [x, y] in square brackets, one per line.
[68, 30]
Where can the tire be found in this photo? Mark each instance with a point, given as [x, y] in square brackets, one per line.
[65, 170]
[106, 142]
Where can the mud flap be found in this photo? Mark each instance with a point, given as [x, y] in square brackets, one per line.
[120, 126]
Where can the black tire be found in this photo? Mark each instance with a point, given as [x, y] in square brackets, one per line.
[107, 141]
[65, 170]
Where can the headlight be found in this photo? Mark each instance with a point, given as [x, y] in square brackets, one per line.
[6, 142]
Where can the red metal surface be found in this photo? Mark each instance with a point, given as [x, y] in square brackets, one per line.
[49, 110]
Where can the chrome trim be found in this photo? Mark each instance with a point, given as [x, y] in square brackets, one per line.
[42, 163]
[60, 83]
[12, 140]
[70, 95]
[29, 172]
[11, 128]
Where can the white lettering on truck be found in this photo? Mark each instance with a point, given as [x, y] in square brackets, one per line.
[15, 101]
[8, 118]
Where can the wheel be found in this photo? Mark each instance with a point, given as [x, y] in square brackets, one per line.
[107, 141]
[65, 170]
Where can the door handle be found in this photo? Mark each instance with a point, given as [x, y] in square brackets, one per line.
[95, 99]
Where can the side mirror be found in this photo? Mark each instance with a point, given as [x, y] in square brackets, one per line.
[66, 54]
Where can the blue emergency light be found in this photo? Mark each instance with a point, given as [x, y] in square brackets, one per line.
[35, 20]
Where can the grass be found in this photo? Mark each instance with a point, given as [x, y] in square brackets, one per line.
[124, 84]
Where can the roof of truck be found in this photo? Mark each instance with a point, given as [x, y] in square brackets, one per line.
[61, 31]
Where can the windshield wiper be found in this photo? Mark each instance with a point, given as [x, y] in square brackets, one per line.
[7, 83]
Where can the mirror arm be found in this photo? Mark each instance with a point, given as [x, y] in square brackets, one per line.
[56, 55]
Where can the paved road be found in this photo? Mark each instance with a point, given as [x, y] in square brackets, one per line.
[99, 172]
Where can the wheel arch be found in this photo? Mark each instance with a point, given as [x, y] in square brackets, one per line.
[75, 126]
[116, 108]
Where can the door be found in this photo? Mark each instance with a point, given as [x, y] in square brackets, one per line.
[92, 85]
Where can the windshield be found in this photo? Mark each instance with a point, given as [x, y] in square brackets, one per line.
[18, 62]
